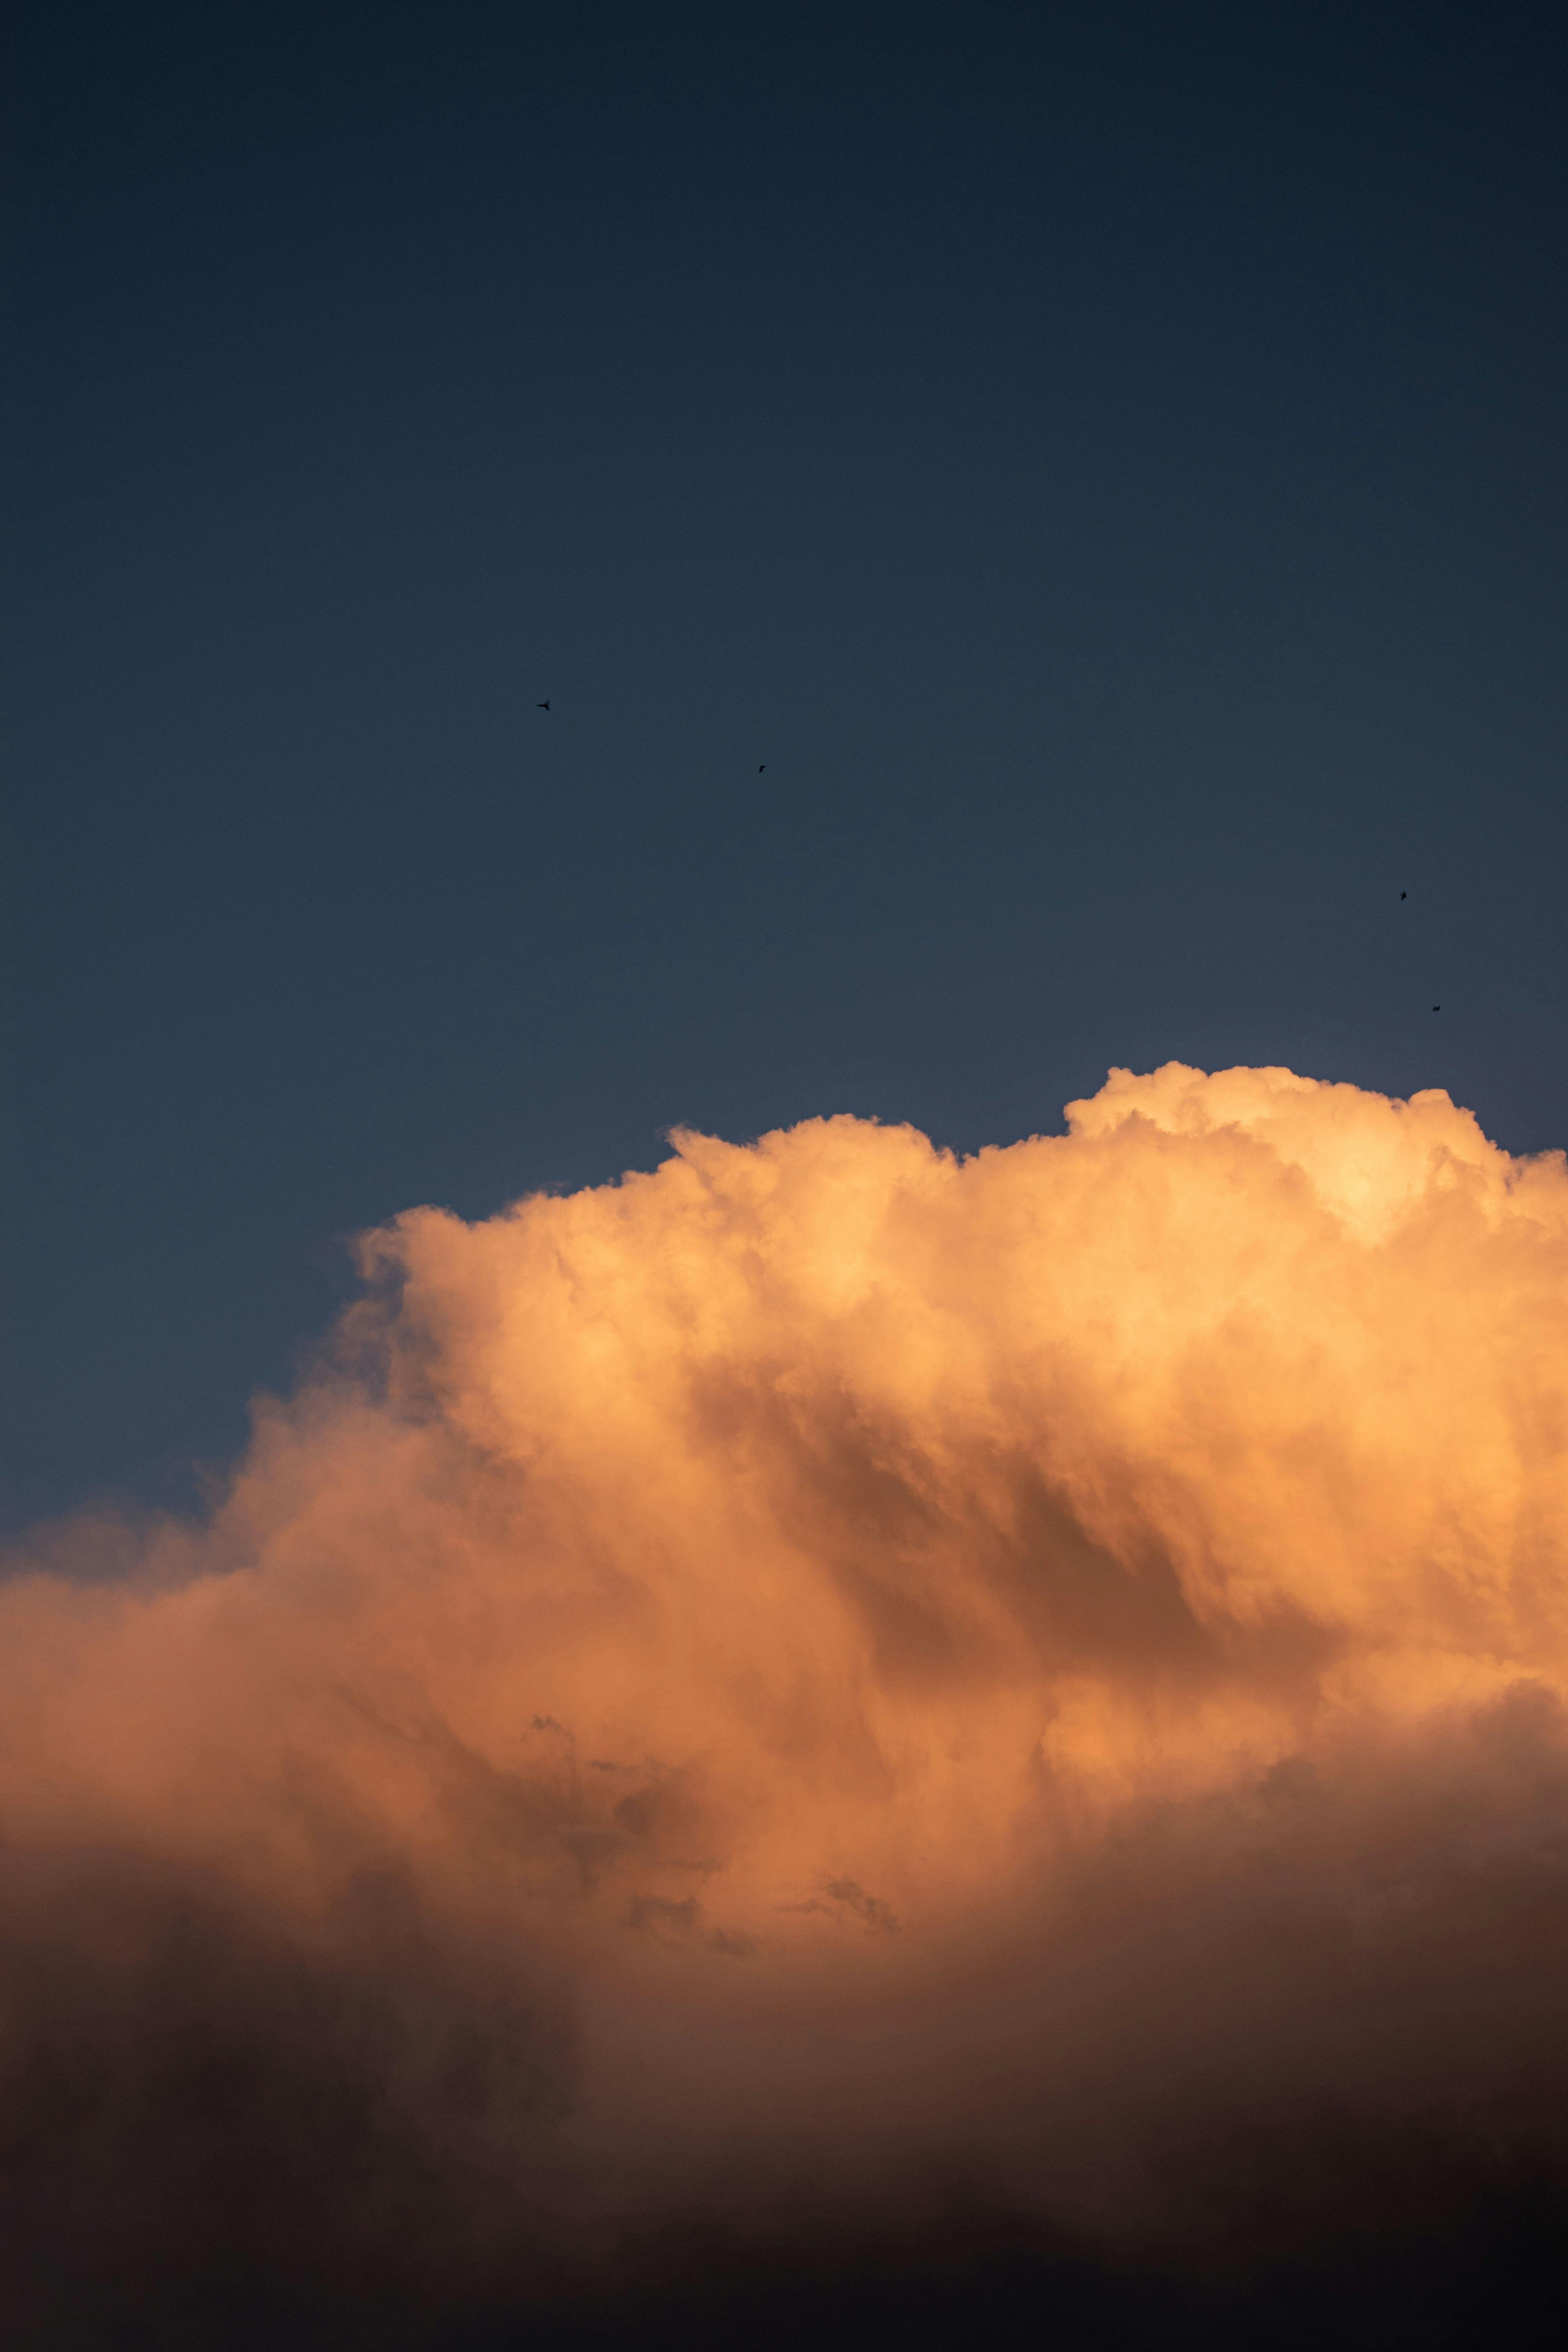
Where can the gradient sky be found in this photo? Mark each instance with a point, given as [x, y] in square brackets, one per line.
[1107, 463]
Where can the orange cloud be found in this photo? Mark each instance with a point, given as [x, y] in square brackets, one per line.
[816, 1678]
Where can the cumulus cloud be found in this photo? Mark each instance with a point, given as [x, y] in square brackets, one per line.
[827, 1699]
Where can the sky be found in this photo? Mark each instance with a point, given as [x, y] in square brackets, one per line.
[1035, 525]
[783, 1451]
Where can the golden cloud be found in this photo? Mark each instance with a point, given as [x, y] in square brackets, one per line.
[821, 1674]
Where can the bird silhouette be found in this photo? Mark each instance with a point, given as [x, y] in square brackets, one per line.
[1437, 1008]
[760, 769]
[1405, 894]
[542, 706]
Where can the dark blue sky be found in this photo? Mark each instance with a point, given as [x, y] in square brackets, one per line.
[1107, 463]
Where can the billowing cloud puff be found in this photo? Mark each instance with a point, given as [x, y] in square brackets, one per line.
[829, 1696]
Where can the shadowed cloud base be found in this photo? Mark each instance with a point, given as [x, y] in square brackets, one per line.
[833, 1737]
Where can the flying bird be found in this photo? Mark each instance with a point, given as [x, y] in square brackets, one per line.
[760, 766]
[542, 706]
[1437, 1008]
[1405, 894]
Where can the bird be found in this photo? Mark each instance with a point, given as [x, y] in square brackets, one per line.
[760, 766]
[542, 706]
[1437, 1008]
[1405, 894]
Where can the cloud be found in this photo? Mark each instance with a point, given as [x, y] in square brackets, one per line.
[827, 1712]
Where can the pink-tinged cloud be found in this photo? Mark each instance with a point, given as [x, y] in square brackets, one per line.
[826, 1695]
